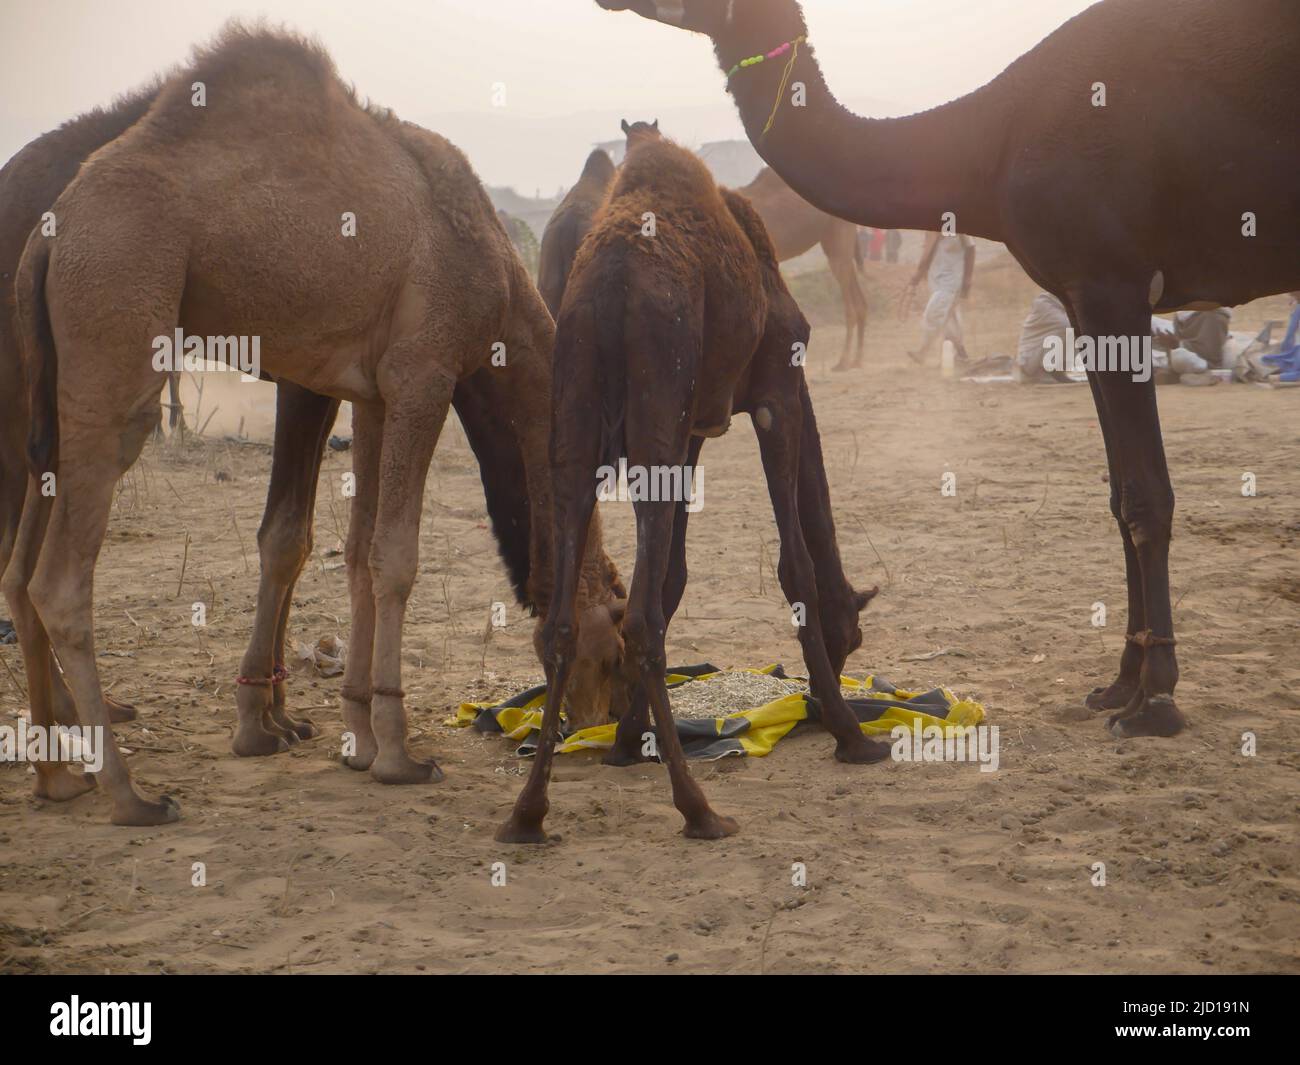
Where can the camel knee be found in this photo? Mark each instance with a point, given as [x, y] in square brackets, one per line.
[283, 547]
[392, 576]
[1148, 516]
[64, 614]
[643, 641]
[559, 640]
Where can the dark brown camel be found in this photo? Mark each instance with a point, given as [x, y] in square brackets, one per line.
[795, 225]
[1087, 158]
[660, 339]
[377, 324]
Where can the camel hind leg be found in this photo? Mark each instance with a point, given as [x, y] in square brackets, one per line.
[629, 737]
[302, 422]
[414, 412]
[92, 456]
[775, 398]
[19, 549]
[1127, 410]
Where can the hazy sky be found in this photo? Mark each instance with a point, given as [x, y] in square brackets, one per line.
[570, 70]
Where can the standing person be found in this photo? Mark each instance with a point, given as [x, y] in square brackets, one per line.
[947, 262]
[893, 242]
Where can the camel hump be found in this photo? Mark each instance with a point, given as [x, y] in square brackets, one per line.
[598, 169]
[751, 223]
[249, 69]
[766, 180]
[665, 168]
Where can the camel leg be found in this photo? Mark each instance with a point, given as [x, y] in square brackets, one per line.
[18, 553]
[777, 422]
[629, 737]
[840, 603]
[574, 500]
[175, 414]
[644, 629]
[1122, 690]
[367, 440]
[302, 422]
[414, 413]
[842, 270]
[860, 315]
[91, 459]
[1131, 424]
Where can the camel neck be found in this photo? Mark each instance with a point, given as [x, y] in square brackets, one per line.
[899, 173]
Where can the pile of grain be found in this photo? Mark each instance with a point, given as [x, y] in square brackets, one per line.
[727, 693]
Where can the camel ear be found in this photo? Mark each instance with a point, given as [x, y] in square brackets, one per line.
[654, 124]
[626, 127]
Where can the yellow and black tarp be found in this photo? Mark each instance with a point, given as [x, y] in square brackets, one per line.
[879, 705]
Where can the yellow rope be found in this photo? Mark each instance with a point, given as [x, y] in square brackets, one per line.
[785, 78]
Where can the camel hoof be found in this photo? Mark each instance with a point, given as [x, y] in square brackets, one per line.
[515, 831]
[1116, 697]
[257, 742]
[841, 367]
[303, 728]
[142, 812]
[712, 826]
[862, 751]
[360, 762]
[405, 770]
[119, 713]
[62, 785]
[1157, 715]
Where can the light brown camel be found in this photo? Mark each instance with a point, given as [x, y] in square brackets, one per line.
[377, 314]
[1087, 158]
[661, 337]
[795, 225]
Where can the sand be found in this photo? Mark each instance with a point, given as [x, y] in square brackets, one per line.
[910, 867]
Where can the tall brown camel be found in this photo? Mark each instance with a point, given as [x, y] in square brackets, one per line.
[1087, 158]
[660, 339]
[795, 225]
[383, 316]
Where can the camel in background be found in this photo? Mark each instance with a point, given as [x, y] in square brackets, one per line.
[1086, 157]
[660, 339]
[795, 225]
[368, 318]
[569, 224]
[573, 218]
[29, 184]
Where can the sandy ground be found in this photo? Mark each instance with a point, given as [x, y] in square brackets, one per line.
[911, 868]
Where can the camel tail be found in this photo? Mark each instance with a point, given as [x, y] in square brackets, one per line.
[40, 360]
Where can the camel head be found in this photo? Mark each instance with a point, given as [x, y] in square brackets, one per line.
[739, 28]
[595, 692]
[640, 133]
